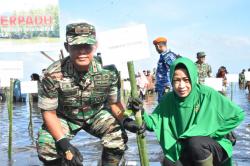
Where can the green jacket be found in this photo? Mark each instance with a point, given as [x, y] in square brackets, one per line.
[204, 112]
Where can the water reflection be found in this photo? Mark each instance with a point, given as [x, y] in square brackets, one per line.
[24, 151]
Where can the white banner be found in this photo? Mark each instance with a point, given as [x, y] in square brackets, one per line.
[4, 82]
[125, 44]
[29, 25]
[215, 83]
[232, 77]
[247, 76]
[29, 87]
[11, 69]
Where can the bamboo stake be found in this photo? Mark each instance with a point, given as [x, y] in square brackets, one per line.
[30, 127]
[231, 91]
[10, 115]
[141, 140]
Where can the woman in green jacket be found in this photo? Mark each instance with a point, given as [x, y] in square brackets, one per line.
[191, 122]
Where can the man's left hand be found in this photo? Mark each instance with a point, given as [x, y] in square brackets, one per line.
[130, 125]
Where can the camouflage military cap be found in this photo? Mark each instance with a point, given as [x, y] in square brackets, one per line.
[200, 54]
[80, 33]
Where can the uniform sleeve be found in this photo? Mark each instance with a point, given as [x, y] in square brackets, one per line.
[229, 115]
[48, 94]
[114, 92]
[168, 60]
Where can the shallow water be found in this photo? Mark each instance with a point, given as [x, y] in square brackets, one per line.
[24, 151]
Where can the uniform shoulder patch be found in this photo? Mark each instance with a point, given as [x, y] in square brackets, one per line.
[57, 66]
[55, 69]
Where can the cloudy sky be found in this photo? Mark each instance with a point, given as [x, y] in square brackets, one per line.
[220, 28]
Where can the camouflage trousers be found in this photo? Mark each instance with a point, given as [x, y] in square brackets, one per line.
[103, 125]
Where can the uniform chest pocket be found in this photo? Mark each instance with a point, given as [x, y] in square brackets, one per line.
[98, 97]
[72, 92]
[69, 95]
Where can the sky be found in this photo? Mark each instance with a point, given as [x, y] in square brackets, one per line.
[219, 28]
[7, 6]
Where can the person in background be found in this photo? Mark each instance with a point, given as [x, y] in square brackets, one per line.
[126, 87]
[154, 77]
[242, 79]
[222, 72]
[35, 77]
[247, 86]
[78, 93]
[142, 84]
[204, 69]
[150, 88]
[192, 121]
[167, 57]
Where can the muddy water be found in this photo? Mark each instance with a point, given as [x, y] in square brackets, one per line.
[24, 151]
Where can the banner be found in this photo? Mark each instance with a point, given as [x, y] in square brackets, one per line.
[247, 76]
[11, 69]
[29, 87]
[119, 46]
[232, 77]
[215, 83]
[29, 25]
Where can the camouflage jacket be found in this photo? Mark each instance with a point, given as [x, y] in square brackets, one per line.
[241, 77]
[204, 71]
[78, 96]
[163, 70]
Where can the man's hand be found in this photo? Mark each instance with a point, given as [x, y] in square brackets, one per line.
[70, 154]
[130, 125]
[135, 104]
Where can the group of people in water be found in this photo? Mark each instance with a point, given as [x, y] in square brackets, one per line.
[193, 123]
[243, 83]
[146, 80]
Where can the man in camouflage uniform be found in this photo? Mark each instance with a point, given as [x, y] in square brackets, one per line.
[167, 57]
[242, 79]
[78, 93]
[204, 69]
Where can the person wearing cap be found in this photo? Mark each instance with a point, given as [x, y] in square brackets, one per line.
[167, 57]
[35, 77]
[78, 93]
[204, 69]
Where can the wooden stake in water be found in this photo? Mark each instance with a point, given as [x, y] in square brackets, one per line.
[231, 91]
[141, 140]
[30, 127]
[10, 112]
